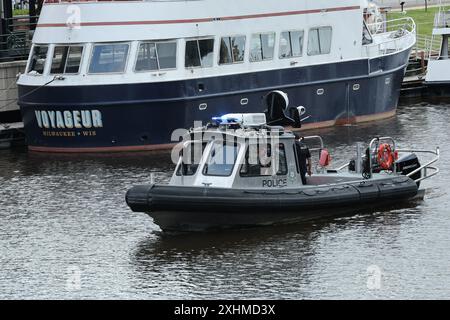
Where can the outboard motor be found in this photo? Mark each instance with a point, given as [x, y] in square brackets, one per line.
[280, 113]
[408, 163]
[404, 165]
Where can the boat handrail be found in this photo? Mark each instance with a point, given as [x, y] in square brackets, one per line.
[319, 138]
[409, 22]
[442, 19]
[389, 44]
[377, 141]
[341, 167]
[427, 166]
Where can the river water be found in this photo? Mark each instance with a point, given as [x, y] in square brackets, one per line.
[66, 233]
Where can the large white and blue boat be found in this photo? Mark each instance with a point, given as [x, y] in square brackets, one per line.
[123, 75]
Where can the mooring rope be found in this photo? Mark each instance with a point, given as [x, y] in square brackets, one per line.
[28, 93]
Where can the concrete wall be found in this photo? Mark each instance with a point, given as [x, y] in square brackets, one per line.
[8, 87]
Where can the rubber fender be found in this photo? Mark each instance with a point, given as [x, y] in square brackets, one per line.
[398, 188]
[138, 198]
[367, 190]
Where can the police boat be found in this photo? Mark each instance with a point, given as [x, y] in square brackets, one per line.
[241, 171]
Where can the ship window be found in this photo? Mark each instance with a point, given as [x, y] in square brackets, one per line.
[221, 160]
[199, 53]
[191, 157]
[167, 55]
[291, 44]
[258, 160]
[66, 59]
[109, 58]
[232, 50]
[156, 56]
[74, 59]
[319, 41]
[262, 47]
[38, 58]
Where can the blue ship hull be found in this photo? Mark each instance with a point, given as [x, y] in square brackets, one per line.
[143, 116]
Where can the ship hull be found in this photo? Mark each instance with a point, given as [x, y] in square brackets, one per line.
[144, 116]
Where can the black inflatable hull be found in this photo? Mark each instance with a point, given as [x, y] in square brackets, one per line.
[176, 208]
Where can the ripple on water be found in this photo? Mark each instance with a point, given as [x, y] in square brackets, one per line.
[65, 216]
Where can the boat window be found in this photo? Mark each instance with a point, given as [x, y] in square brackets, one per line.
[38, 58]
[258, 160]
[191, 157]
[66, 59]
[262, 47]
[291, 44]
[74, 59]
[221, 160]
[109, 58]
[199, 53]
[319, 41]
[232, 50]
[154, 56]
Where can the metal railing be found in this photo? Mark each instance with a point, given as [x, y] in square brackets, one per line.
[374, 143]
[393, 25]
[442, 19]
[319, 139]
[428, 44]
[15, 43]
[400, 34]
[318, 149]
[426, 167]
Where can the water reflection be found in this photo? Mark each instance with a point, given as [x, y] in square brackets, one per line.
[261, 262]
[64, 211]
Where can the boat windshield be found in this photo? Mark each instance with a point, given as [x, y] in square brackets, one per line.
[37, 59]
[222, 159]
[259, 160]
[190, 155]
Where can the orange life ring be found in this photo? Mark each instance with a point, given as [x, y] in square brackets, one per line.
[385, 156]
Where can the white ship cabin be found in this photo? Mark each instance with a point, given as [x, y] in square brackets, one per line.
[439, 64]
[110, 42]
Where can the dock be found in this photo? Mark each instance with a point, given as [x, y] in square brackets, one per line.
[11, 135]
[413, 90]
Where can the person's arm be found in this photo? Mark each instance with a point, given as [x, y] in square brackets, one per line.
[308, 158]
[309, 166]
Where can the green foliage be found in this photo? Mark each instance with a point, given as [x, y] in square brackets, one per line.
[20, 12]
[424, 20]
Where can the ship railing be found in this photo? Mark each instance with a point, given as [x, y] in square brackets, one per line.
[373, 146]
[390, 37]
[434, 49]
[317, 139]
[427, 47]
[428, 169]
[318, 146]
[442, 19]
[15, 42]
